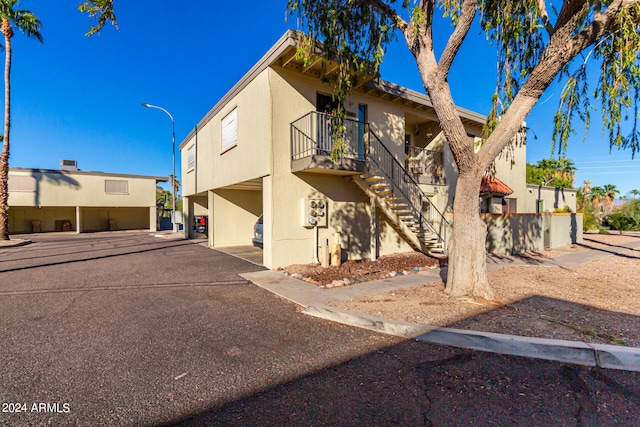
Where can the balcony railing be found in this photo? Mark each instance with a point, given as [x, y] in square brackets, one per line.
[314, 133]
[427, 166]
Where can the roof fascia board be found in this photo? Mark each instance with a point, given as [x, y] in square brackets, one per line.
[422, 98]
[61, 172]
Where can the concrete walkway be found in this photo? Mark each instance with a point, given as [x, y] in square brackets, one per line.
[315, 301]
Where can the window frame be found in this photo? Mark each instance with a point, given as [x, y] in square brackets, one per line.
[229, 131]
[119, 181]
[191, 157]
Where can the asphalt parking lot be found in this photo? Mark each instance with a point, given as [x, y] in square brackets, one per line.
[128, 329]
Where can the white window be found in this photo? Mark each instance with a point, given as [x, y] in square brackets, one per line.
[116, 186]
[230, 130]
[191, 157]
[22, 183]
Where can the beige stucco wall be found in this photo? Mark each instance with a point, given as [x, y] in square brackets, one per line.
[293, 96]
[517, 233]
[248, 159]
[78, 198]
[67, 188]
[553, 198]
[266, 107]
[236, 212]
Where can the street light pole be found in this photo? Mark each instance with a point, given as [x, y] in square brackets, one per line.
[173, 160]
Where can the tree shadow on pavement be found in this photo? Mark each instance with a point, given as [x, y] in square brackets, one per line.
[418, 384]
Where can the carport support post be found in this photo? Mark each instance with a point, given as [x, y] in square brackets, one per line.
[153, 219]
[210, 227]
[79, 228]
[187, 209]
[374, 230]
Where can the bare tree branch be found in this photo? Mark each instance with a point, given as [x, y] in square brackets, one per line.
[469, 8]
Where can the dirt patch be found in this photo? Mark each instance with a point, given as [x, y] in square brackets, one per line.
[596, 302]
[363, 271]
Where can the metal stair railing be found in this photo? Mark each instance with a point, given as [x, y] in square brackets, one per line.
[382, 160]
[313, 134]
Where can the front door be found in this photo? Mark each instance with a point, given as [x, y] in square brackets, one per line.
[362, 120]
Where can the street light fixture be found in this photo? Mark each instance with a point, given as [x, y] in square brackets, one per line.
[173, 160]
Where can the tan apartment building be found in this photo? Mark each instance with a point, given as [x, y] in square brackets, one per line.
[264, 148]
[44, 200]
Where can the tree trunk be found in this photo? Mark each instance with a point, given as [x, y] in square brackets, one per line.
[467, 272]
[4, 157]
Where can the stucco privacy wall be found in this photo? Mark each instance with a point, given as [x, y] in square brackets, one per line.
[94, 197]
[552, 198]
[517, 233]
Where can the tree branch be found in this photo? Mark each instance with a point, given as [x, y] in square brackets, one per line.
[387, 10]
[561, 49]
[469, 8]
[545, 17]
[602, 24]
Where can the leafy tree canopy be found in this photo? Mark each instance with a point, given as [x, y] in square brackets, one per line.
[534, 45]
[559, 173]
[100, 10]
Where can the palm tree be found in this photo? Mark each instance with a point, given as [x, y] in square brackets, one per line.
[586, 189]
[30, 25]
[566, 170]
[634, 193]
[610, 193]
[597, 196]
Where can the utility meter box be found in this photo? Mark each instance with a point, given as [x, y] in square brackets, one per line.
[314, 213]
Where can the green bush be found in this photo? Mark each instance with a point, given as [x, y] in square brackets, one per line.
[566, 209]
[627, 218]
[621, 222]
[589, 220]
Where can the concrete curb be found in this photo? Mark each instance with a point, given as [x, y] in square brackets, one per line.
[574, 352]
[15, 243]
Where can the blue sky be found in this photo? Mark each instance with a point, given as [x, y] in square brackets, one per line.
[77, 97]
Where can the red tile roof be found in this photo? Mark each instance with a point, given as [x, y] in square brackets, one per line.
[494, 186]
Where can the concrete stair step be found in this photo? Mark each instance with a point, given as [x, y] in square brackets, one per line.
[374, 178]
[379, 185]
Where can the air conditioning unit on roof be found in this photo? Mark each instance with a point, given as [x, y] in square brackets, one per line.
[68, 165]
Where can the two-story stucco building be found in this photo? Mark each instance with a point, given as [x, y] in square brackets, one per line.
[264, 149]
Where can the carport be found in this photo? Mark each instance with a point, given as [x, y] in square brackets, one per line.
[232, 212]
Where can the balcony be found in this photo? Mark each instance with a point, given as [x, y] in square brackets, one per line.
[312, 140]
[425, 166]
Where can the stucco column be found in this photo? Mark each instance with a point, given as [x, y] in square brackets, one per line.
[187, 214]
[212, 218]
[153, 219]
[267, 222]
[375, 250]
[79, 228]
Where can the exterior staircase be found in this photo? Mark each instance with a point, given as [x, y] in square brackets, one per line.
[399, 197]
[385, 180]
[406, 220]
